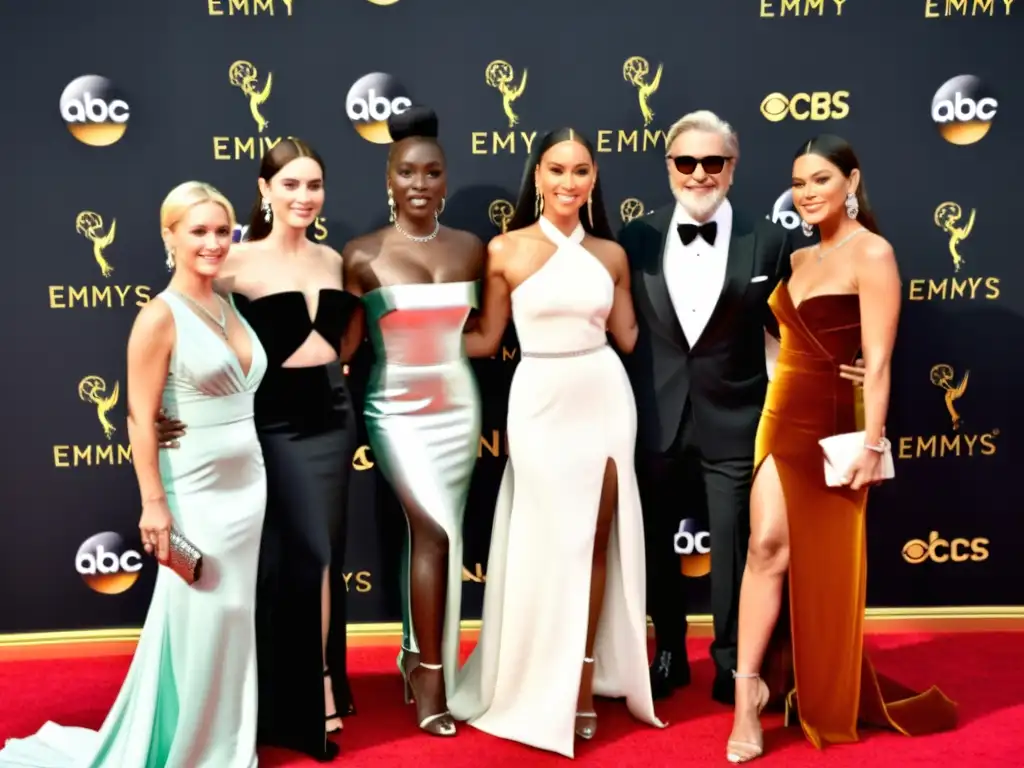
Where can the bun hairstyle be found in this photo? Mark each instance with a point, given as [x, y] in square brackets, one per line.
[416, 122]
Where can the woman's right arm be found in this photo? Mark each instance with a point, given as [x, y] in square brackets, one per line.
[484, 339]
[149, 355]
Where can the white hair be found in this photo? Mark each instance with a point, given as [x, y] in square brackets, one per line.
[705, 120]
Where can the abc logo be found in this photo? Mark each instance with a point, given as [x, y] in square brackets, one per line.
[939, 550]
[107, 565]
[820, 105]
[784, 212]
[695, 547]
[93, 111]
[371, 101]
[964, 108]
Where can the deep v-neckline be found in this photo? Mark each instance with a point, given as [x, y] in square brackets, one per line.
[232, 353]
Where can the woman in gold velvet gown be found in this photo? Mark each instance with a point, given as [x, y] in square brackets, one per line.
[843, 297]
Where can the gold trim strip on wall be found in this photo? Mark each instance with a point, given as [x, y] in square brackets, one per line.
[945, 619]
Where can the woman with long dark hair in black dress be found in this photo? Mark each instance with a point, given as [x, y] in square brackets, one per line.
[290, 290]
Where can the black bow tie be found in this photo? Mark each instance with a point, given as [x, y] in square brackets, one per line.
[688, 232]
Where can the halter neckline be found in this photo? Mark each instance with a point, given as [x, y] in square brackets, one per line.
[555, 234]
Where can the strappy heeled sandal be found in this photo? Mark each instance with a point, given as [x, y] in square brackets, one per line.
[744, 751]
[587, 726]
[441, 724]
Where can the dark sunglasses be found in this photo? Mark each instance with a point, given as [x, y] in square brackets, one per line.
[712, 164]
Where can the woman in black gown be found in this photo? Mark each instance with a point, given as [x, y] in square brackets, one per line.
[289, 288]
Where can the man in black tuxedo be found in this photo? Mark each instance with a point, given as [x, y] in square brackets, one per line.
[702, 273]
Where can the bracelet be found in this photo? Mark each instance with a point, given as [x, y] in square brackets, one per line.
[881, 446]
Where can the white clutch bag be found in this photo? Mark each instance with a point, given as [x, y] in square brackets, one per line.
[842, 450]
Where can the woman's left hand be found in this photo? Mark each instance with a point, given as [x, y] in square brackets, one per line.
[865, 470]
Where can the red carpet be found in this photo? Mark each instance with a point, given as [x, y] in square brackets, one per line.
[984, 673]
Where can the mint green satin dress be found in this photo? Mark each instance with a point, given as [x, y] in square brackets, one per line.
[422, 412]
[190, 697]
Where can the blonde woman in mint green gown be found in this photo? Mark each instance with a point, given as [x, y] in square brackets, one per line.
[189, 700]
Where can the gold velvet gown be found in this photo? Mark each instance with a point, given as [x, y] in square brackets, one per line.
[836, 686]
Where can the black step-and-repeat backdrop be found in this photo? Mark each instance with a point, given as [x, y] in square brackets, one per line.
[108, 105]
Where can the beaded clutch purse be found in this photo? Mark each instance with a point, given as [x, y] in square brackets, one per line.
[185, 559]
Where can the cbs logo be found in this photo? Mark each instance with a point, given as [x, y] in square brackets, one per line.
[940, 550]
[371, 101]
[94, 111]
[694, 547]
[964, 108]
[107, 565]
[820, 105]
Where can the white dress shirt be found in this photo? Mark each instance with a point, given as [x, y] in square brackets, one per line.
[695, 273]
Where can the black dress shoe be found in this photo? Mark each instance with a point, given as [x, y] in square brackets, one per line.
[669, 671]
[723, 690]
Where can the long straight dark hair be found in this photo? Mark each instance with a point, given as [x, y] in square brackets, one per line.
[838, 151]
[277, 158]
[526, 205]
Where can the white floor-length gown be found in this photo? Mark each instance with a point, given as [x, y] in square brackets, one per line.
[571, 409]
[190, 697]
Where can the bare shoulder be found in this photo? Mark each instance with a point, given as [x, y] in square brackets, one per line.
[154, 322]
[330, 256]
[468, 246]
[875, 249]
[607, 250]
[796, 258]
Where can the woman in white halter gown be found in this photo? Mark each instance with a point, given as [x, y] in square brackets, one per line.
[571, 415]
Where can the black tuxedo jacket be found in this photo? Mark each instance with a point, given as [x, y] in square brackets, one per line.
[723, 376]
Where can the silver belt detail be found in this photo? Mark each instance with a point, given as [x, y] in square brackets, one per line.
[577, 353]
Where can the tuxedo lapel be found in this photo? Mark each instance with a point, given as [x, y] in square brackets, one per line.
[738, 270]
[660, 308]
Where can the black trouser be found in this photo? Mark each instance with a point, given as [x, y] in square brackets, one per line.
[678, 484]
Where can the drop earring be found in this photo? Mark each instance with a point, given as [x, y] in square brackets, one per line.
[807, 228]
[391, 206]
[538, 206]
[590, 209]
[440, 210]
[265, 207]
[852, 207]
[170, 259]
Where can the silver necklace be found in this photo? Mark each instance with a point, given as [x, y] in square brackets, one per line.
[221, 322]
[418, 238]
[840, 244]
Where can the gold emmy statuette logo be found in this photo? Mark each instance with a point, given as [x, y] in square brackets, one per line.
[817, 106]
[630, 209]
[942, 377]
[93, 390]
[361, 460]
[963, 109]
[243, 75]
[634, 70]
[499, 74]
[939, 550]
[936, 9]
[107, 565]
[500, 212]
[89, 225]
[946, 217]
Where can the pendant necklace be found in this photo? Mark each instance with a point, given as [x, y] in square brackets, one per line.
[418, 238]
[221, 322]
[840, 244]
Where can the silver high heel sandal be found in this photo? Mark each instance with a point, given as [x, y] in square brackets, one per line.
[747, 750]
[588, 727]
[440, 724]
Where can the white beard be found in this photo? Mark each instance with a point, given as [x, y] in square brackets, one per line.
[701, 208]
